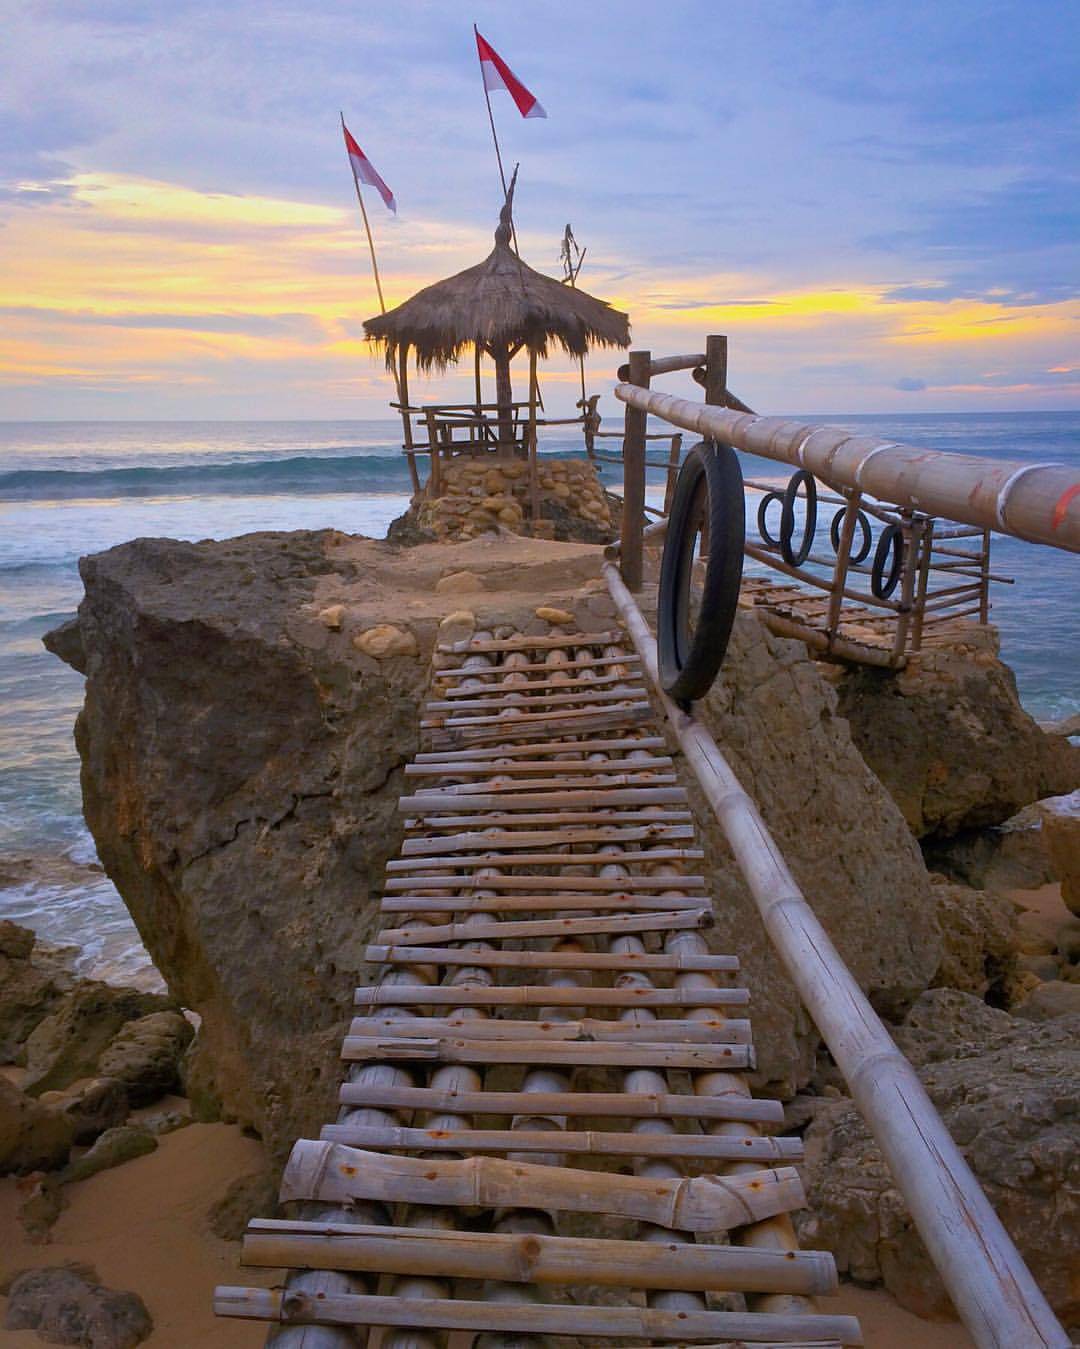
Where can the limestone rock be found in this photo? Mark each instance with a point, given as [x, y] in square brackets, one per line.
[978, 929]
[113, 1148]
[33, 1136]
[561, 617]
[775, 717]
[1055, 998]
[1012, 855]
[1061, 827]
[68, 1043]
[1067, 942]
[1008, 1097]
[68, 1306]
[15, 942]
[385, 640]
[333, 617]
[145, 1055]
[458, 626]
[252, 1196]
[952, 743]
[92, 1106]
[242, 791]
[458, 583]
[28, 992]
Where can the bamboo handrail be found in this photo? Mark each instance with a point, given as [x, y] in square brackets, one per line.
[990, 1285]
[1036, 502]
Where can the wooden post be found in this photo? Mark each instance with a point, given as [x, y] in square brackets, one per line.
[435, 477]
[476, 379]
[674, 455]
[504, 397]
[716, 353]
[406, 415]
[926, 549]
[984, 576]
[910, 537]
[633, 516]
[843, 559]
[534, 484]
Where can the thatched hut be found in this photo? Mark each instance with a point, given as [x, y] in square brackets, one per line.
[498, 308]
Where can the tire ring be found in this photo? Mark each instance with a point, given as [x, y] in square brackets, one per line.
[762, 524]
[863, 550]
[690, 661]
[890, 542]
[802, 478]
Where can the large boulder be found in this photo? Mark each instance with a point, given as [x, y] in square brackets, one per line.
[1061, 828]
[145, 1055]
[950, 740]
[773, 713]
[29, 989]
[33, 1136]
[66, 1305]
[979, 936]
[1006, 1089]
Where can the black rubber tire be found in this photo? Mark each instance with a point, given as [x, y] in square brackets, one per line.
[891, 541]
[863, 551]
[709, 492]
[801, 478]
[762, 524]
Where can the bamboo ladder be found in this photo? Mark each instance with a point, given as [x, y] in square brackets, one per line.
[545, 1098]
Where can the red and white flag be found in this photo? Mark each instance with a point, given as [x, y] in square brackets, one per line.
[364, 170]
[498, 75]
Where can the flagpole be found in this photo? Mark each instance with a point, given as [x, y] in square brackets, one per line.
[367, 229]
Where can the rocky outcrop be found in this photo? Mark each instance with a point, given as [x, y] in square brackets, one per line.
[979, 937]
[1006, 1090]
[950, 740]
[242, 759]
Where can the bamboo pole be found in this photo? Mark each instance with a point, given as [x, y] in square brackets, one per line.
[1036, 502]
[990, 1285]
[633, 511]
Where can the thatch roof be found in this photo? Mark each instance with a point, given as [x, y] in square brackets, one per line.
[500, 302]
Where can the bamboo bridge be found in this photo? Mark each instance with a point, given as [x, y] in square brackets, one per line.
[546, 1129]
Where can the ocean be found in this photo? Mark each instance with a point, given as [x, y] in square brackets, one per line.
[72, 488]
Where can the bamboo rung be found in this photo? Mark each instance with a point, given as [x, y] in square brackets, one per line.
[427, 803]
[536, 1258]
[578, 663]
[552, 642]
[513, 930]
[331, 1173]
[554, 747]
[715, 1030]
[572, 1104]
[570, 1143]
[570, 781]
[540, 725]
[611, 705]
[483, 839]
[553, 903]
[522, 767]
[569, 884]
[297, 1307]
[549, 859]
[541, 995]
[548, 960]
[551, 1053]
[508, 697]
[655, 815]
[502, 674]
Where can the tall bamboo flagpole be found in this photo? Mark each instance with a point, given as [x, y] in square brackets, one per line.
[367, 225]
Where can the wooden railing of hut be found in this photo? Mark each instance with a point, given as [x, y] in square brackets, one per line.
[936, 511]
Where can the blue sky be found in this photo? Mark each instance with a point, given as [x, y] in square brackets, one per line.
[877, 202]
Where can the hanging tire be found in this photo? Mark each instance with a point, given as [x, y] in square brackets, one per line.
[708, 502]
[890, 549]
[763, 524]
[787, 518]
[863, 550]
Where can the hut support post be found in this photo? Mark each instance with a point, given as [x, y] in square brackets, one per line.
[534, 485]
[476, 380]
[504, 397]
[435, 478]
[406, 416]
[633, 516]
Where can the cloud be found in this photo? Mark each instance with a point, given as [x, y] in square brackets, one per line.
[910, 385]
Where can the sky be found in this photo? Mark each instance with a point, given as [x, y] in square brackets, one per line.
[877, 202]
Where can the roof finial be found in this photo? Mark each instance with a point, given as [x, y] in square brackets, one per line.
[506, 215]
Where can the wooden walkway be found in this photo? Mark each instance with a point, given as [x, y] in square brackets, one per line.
[545, 1127]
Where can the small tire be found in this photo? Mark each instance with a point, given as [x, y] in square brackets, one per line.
[891, 543]
[762, 523]
[708, 498]
[794, 558]
[866, 541]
